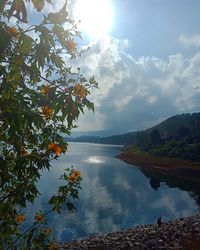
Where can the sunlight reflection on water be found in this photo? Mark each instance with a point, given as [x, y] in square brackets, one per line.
[95, 159]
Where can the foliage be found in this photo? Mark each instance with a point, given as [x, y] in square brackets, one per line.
[155, 136]
[178, 149]
[138, 157]
[183, 131]
[41, 97]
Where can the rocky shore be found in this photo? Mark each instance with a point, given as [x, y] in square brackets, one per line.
[183, 233]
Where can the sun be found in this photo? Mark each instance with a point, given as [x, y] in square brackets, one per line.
[96, 17]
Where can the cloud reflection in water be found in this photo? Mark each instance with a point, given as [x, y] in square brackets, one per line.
[114, 194]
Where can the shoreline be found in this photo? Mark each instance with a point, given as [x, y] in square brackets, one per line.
[163, 165]
[182, 233]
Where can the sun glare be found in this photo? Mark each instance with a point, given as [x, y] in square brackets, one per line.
[95, 16]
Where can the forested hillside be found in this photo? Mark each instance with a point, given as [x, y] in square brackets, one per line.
[177, 136]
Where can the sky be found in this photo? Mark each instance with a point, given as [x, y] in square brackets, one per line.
[145, 54]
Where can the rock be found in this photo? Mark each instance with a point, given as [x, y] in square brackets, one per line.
[170, 235]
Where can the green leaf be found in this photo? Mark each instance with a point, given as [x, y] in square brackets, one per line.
[2, 5]
[58, 18]
[26, 44]
[71, 206]
[88, 104]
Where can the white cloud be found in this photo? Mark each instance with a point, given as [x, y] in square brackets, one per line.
[188, 41]
[138, 93]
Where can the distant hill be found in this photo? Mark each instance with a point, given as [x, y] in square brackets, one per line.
[168, 128]
[123, 139]
[84, 138]
[171, 125]
[177, 136]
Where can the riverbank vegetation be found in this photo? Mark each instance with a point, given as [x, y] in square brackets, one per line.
[173, 146]
[136, 156]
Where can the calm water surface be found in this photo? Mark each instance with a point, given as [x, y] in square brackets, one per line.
[114, 195]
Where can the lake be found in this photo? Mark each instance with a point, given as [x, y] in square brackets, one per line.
[114, 195]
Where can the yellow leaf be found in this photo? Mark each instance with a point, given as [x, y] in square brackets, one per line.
[38, 4]
[20, 8]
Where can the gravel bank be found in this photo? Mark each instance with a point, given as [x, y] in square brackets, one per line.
[183, 233]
